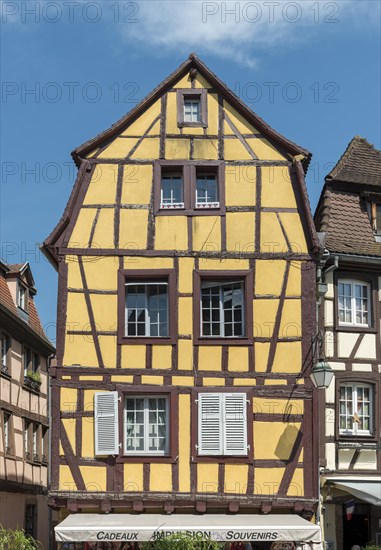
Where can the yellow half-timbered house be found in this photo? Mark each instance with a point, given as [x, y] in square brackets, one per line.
[186, 261]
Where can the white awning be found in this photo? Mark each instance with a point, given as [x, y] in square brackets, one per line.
[218, 527]
[368, 490]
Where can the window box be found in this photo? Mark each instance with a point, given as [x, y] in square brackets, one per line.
[192, 108]
[189, 188]
[146, 308]
[223, 305]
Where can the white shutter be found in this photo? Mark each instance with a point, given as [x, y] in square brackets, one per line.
[106, 423]
[210, 424]
[235, 423]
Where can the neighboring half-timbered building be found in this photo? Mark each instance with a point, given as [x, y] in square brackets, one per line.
[349, 219]
[186, 311]
[24, 416]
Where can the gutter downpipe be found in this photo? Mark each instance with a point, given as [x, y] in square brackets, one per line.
[321, 275]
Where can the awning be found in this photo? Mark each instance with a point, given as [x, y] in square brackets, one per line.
[368, 490]
[221, 527]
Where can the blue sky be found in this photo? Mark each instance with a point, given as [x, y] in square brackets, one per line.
[71, 68]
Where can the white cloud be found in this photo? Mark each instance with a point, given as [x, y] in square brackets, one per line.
[239, 30]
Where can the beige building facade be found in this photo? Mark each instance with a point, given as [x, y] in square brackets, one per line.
[24, 445]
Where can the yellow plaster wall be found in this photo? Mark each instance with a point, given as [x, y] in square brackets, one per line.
[118, 149]
[207, 478]
[88, 399]
[104, 231]
[171, 126]
[277, 190]
[294, 230]
[80, 350]
[278, 406]
[267, 480]
[234, 150]
[240, 185]
[185, 315]
[137, 184]
[205, 149]
[236, 478]
[154, 380]
[88, 437]
[147, 149]
[133, 228]
[212, 114]
[264, 317]
[238, 359]
[288, 357]
[171, 233]
[184, 442]
[101, 272]
[81, 231]
[269, 277]
[66, 481]
[141, 262]
[185, 355]
[296, 487]
[261, 355]
[177, 148]
[294, 285]
[108, 349]
[213, 381]
[133, 477]
[69, 425]
[141, 124]
[206, 233]
[74, 276]
[161, 357]
[185, 283]
[201, 82]
[105, 311]
[291, 320]
[272, 239]
[240, 231]
[226, 264]
[274, 440]
[209, 358]
[264, 150]
[182, 380]
[161, 478]
[133, 357]
[102, 188]
[94, 477]
[76, 314]
[242, 125]
[68, 399]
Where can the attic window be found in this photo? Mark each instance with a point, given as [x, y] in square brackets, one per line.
[22, 296]
[192, 108]
[374, 210]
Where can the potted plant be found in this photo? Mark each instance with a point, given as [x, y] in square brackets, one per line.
[33, 379]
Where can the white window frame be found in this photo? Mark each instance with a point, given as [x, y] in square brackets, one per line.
[221, 285]
[207, 204]
[353, 283]
[22, 293]
[172, 204]
[27, 364]
[7, 430]
[27, 424]
[147, 333]
[5, 345]
[354, 431]
[146, 411]
[219, 419]
[195, 114]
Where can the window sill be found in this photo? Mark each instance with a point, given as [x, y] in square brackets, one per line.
[221, 341]
[355, 328]
[146, 459]
[159, 341]
[203, 211]
[223, 459]
[355, 438]
[199, 124]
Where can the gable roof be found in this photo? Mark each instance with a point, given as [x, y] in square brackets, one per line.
[360, 163]
[342, 212]
[193, 62]
[31, 322]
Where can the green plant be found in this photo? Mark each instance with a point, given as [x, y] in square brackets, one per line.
[35, 376]
[180, 541]
[372, 547]
[16, 540]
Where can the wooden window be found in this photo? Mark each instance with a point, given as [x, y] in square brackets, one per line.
[147, 306]
[222, 308]
[35, 362]
[355, 409]
[192, 107]
[7, 423]
[27, 445]
[5, 353]
[354, 301]
[146, 425]
[36, 442]
[106, 423]
[189, 188]
[222, 424]
[27, 360]
[45, 444]
[22, 296]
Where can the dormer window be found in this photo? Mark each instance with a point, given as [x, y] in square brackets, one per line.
[192, 107]
[22, 296]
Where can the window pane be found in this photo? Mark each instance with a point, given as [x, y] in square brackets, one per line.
[192, 110]
[206, 190]
[172, 190]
